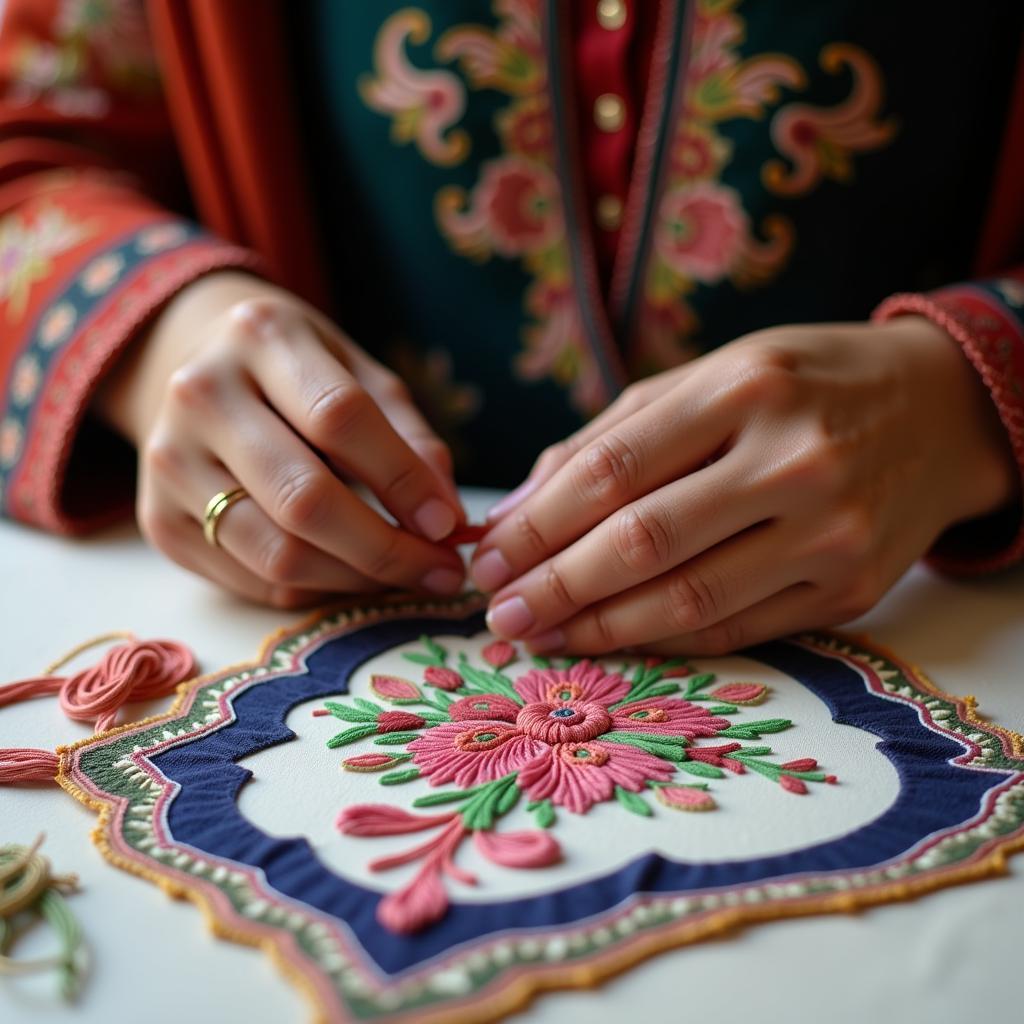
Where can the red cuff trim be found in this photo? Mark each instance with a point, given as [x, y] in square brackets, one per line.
[992, 341]
[36, 483]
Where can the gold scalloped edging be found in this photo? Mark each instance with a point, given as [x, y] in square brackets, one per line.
[522, 988]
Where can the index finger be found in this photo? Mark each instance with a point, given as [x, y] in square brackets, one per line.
[315, 393]
[668, 439]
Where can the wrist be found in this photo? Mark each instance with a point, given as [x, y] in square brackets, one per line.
[970, 447]
[129, 396]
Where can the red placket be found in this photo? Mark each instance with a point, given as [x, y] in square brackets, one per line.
[612, 46]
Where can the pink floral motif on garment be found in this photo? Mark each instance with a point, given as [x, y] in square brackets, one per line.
[702, 234]
[514, 211]
[563, 737]
[820, 142]
[424, 105]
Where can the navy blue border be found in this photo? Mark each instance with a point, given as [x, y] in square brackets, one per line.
[934, 795]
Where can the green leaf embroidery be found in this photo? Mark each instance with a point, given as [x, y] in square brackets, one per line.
[754, 730]
[699, 682]
[423, 659]
[543, 812]
[633, 802]
[445, 797]
[394, 778]
[390, 738]
[699, 768]
[349, 714]
[358, 732]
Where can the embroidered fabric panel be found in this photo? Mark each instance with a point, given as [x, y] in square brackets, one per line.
[421, 824]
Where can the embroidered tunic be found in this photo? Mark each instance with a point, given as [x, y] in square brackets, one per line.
[519, 204]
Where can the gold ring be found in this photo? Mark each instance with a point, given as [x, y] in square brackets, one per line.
[215, 508]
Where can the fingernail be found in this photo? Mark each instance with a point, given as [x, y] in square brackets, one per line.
[490, 571]
[510, 618]
[510, 501]
[442, 581]
[434, 519]
[552, 640]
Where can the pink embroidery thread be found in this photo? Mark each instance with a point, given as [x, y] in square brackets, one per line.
[134, 671]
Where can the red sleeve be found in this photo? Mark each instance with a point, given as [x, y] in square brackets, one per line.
[89, 249]
[987, 318]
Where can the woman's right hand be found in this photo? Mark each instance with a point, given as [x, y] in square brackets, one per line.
[240, 384]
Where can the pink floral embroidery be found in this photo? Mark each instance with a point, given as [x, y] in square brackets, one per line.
[702, 234]
[820, 141]
[515, 209]
[512, 210]
[700, 230]
[564, 737]
[423, 104]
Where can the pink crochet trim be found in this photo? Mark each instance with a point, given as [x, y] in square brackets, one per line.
[979, 342]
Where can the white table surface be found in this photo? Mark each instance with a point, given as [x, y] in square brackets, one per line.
[947, 957]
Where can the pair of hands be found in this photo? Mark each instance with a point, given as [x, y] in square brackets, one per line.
[781, 483]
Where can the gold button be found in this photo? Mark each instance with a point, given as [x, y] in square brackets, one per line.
[609, 212]
[611, 14]
[609, 112]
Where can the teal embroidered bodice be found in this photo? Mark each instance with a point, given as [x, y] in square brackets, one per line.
[799, 161]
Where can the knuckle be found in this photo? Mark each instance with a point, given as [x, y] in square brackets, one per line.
[556, 455]
[555, 587]
[196, 386]
[398, 487]
[393, 389]
[607, 471]
[302, 500]
[605, 634]
[384, 562]
[435, 452]
[850, 538]
[279, 559]
[691, 602]
[642, 540]
[251, 316]
[529, 535]
[336, 410]
[765, 376]
[723, 637]
[634, 397]
[164, 458]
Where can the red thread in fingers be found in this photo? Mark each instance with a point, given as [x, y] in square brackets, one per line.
[468, 534]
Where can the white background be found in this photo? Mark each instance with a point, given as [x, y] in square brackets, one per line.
[951, 956]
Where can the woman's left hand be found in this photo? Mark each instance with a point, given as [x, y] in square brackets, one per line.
[783, 482]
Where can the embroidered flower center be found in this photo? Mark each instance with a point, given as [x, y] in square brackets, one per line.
[487, 738]
[563, 723]
[649, 715]
[563, 691]
[579, 755]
